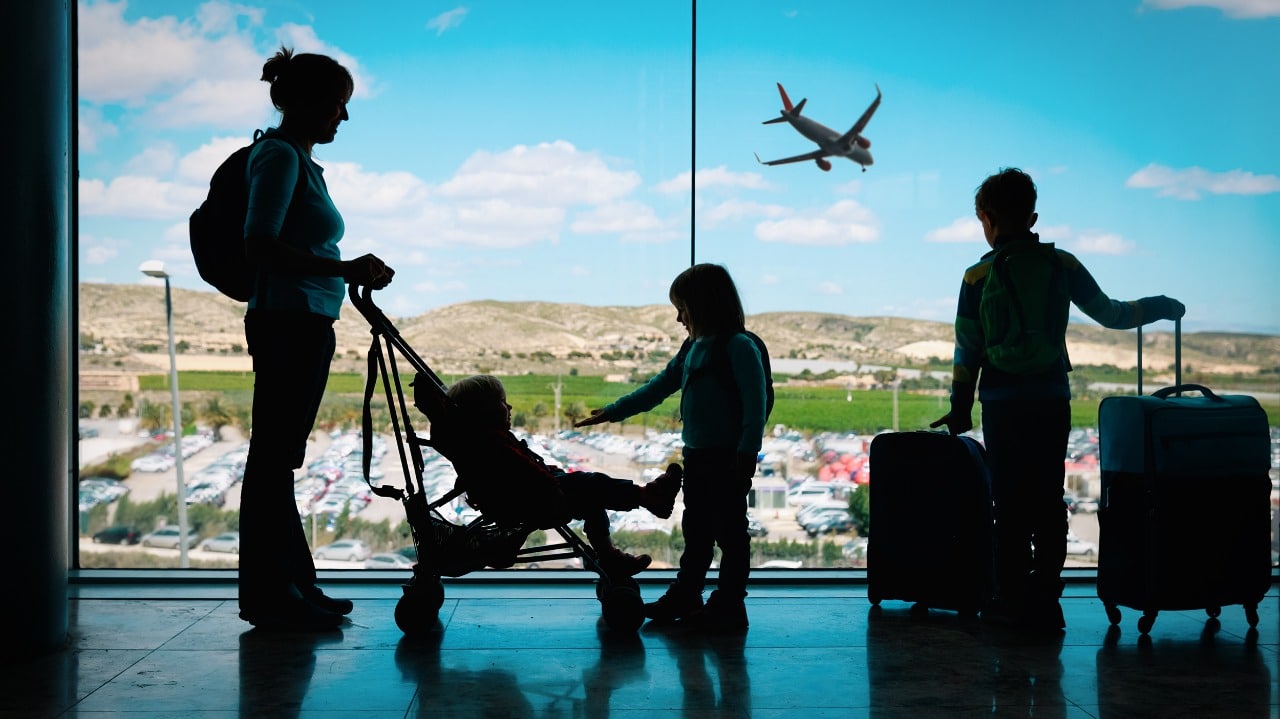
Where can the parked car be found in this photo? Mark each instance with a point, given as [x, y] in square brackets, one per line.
[813, 519]
[855, 549]
[1077, 547]
[347, 550]
[167, 538]
[782, 564]
[225, 542]
[755, 527]
[119, 534]
[830, 524]
[1088, 505]
[388, 560]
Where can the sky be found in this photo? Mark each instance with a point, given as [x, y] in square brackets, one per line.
[566, 151]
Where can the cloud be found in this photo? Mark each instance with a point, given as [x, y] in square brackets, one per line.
[162, 66]
[732, 210]
[447, 20]
[1102, 243]
[1190, 183]
[553, 173]
[158, 159]
[138, 197]
[94, 128]
[829, 288]
[712, 177]
[1237, 9]
[98, 250]
[618, 218]
[963, 229]
[844, 223]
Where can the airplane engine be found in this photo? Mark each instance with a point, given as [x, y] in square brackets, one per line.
[826, 166]
[863, 142]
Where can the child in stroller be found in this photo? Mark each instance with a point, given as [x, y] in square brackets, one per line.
[512, 485]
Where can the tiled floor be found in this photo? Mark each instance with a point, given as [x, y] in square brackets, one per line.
[541, 651]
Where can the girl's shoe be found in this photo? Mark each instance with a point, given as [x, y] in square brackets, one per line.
[675, 605]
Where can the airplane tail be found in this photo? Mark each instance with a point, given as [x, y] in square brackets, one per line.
[786, 101]
[787, 107]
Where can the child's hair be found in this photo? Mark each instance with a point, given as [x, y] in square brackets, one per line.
[1007, 198]
[473, 397]
[708, 294]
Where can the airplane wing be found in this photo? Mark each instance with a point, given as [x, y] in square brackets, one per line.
[816, 154]
[861, 124]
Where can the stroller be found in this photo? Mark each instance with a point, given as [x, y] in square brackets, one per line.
[447, 549]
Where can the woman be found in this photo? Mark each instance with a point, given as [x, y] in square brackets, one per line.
[292, 231]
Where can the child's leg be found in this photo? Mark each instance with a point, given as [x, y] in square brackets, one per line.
[698, 523]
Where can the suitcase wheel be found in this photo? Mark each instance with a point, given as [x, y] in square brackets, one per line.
[1251, 614]
[1113, 613]
[1213, 612]
[1146, 621]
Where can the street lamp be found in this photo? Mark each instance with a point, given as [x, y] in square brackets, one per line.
[155, 268]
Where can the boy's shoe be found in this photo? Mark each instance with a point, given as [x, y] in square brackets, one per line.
[1045, 617]
[659, 496]
[719, 615]
[676, 604]
[617, 563]
[317, 597]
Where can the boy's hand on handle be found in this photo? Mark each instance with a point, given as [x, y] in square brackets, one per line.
[368, 271]
[596, 417]
[1165, 308]
[955, 424]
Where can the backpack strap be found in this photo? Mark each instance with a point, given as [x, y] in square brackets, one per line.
[299, 186]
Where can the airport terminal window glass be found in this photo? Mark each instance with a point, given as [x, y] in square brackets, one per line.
[538, 176]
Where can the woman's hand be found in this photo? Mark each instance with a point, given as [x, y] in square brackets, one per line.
[368, 271]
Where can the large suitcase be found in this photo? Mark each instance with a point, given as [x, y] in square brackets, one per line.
[1184, 514]
[932, 538]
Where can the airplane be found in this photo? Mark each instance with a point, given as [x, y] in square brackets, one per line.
[830, 143]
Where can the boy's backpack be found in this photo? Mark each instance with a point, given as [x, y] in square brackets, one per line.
[1024, 307]
[723, 369]
[217, 226]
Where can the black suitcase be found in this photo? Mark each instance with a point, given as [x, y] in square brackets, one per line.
[1184, 517]
[932, 538]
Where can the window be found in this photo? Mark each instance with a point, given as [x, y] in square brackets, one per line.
[530, 173]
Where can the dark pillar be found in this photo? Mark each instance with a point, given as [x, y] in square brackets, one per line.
[36, 45]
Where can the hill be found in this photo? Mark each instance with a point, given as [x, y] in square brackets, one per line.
[123, 327]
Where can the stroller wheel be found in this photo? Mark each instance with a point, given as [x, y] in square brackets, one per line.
[622, 608]
[419, 606]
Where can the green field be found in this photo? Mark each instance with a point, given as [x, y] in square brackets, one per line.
[805, 408]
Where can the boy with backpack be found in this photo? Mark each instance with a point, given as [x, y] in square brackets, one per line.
[1010, 329]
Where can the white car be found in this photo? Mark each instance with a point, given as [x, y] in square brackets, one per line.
[225, 542]
[349, 550]
[1077, 547]
[388, 560]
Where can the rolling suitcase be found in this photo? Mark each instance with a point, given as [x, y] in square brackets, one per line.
[932, 539]
[1184, 514]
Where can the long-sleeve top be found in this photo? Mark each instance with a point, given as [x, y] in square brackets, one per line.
[710, 415]
[970, 350]
[314, 225]
[505, 479]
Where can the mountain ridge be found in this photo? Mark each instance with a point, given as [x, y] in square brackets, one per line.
[119, 323]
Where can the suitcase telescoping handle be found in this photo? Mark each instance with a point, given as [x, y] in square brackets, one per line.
[1177, 363]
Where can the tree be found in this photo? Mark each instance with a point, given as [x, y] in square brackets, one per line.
[153, 416]
[216, 416]
[860, 509]
[575, 411]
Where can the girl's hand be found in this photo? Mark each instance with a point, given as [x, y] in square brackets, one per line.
[596, 417]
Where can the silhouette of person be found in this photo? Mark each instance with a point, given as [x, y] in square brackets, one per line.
[292, 231]
[1026, 413]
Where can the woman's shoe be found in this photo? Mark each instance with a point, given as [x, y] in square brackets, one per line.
[294, 615]
[317, 597]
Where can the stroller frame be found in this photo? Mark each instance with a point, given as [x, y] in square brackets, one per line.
[445, 548]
